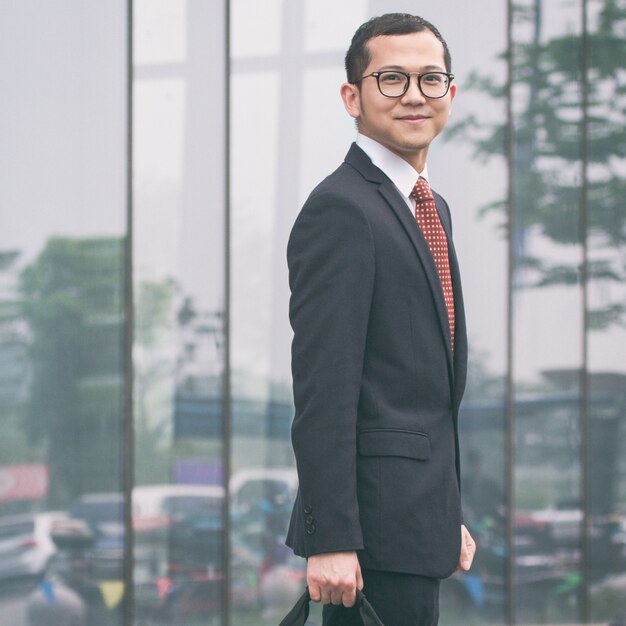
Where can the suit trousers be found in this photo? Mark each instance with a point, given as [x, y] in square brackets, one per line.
[398, 599]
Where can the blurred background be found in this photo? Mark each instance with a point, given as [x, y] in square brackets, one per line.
[154, 155]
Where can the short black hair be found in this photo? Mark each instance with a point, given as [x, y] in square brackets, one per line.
[358, 55]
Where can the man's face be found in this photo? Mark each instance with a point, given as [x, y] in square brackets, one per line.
[408, 124]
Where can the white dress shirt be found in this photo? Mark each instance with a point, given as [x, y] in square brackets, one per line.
[399, 171]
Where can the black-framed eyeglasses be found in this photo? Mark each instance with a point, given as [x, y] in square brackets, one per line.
[394, 83]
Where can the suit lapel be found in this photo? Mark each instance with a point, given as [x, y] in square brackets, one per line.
[359, 160]
[460, 340]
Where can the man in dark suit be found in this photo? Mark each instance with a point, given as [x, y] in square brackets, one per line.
[379, 352]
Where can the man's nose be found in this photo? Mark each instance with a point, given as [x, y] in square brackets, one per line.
[413, 93]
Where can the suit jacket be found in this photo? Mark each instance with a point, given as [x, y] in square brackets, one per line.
[376, 385]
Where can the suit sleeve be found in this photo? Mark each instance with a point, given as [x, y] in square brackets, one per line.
[331, 275]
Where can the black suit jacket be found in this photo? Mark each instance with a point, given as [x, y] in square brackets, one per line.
[376, 385]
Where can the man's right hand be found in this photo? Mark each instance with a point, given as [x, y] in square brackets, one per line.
[333, 578]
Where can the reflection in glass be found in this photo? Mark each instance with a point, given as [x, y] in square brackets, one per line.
[63, 388]
[66, 337]
[178, 517]
[72, 303]
[606, 310]
[265, 578]
[562, 420]
[61, 302]
[62, 240]
[547, 340]
[473, 179]
[72, 300]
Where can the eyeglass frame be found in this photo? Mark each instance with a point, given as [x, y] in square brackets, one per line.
[408, 75]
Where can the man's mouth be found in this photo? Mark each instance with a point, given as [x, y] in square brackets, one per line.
[413, 118]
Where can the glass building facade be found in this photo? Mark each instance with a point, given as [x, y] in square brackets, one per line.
[154, 156]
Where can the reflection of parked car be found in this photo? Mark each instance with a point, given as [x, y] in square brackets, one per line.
[178, 533]
[546, 563]
[262, 487]
[25, 544]
[176, 502]
[178, 543]
[547, 529]
[104, 512]
[152, 505]
[260, 506]
[261, 502]
[183, 521]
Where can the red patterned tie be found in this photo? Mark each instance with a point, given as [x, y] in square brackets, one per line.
[430, 224]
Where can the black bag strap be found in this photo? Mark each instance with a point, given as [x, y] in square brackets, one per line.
[300, 611]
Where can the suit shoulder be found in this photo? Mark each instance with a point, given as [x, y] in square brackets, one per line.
[343, 182]
[339, 196]
[333, 212]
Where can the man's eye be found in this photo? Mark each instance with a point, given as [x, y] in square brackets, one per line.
[391, 77]
[433, 78]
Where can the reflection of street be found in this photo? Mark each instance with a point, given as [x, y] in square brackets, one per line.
[178, 575]
[13, 605]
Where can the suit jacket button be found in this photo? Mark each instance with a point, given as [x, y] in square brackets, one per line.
[309, 519]
[308, 509]
[310, 530]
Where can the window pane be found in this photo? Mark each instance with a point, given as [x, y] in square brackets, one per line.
[305, 134]
[469, 169]
[547, 312]
[264, 188]
[179, 171]
[63, 207]
[606, 335]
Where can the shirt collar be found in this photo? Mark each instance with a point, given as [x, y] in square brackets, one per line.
[401, 174]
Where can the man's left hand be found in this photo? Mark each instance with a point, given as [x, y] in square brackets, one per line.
[468, 549]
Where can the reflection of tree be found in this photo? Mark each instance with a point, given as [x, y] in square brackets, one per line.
[198, 403]
[177, 353]
[548, 147]
[153, 373]
[14, 369]
[200, 359]
[72, 301]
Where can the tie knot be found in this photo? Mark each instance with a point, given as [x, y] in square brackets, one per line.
[421, 192]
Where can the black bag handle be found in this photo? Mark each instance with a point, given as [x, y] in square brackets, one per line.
[300, 611]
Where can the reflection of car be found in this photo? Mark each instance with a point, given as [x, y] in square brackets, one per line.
[261, 502]
[546, 563]
[178, 531]
[183, 522]
[547, 529]
[170, 503]
[104, 512]
[25, 544]
[182, 526]
[262, 487]
[178, 543]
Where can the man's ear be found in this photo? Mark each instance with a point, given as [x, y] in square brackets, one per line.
[351, 97]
